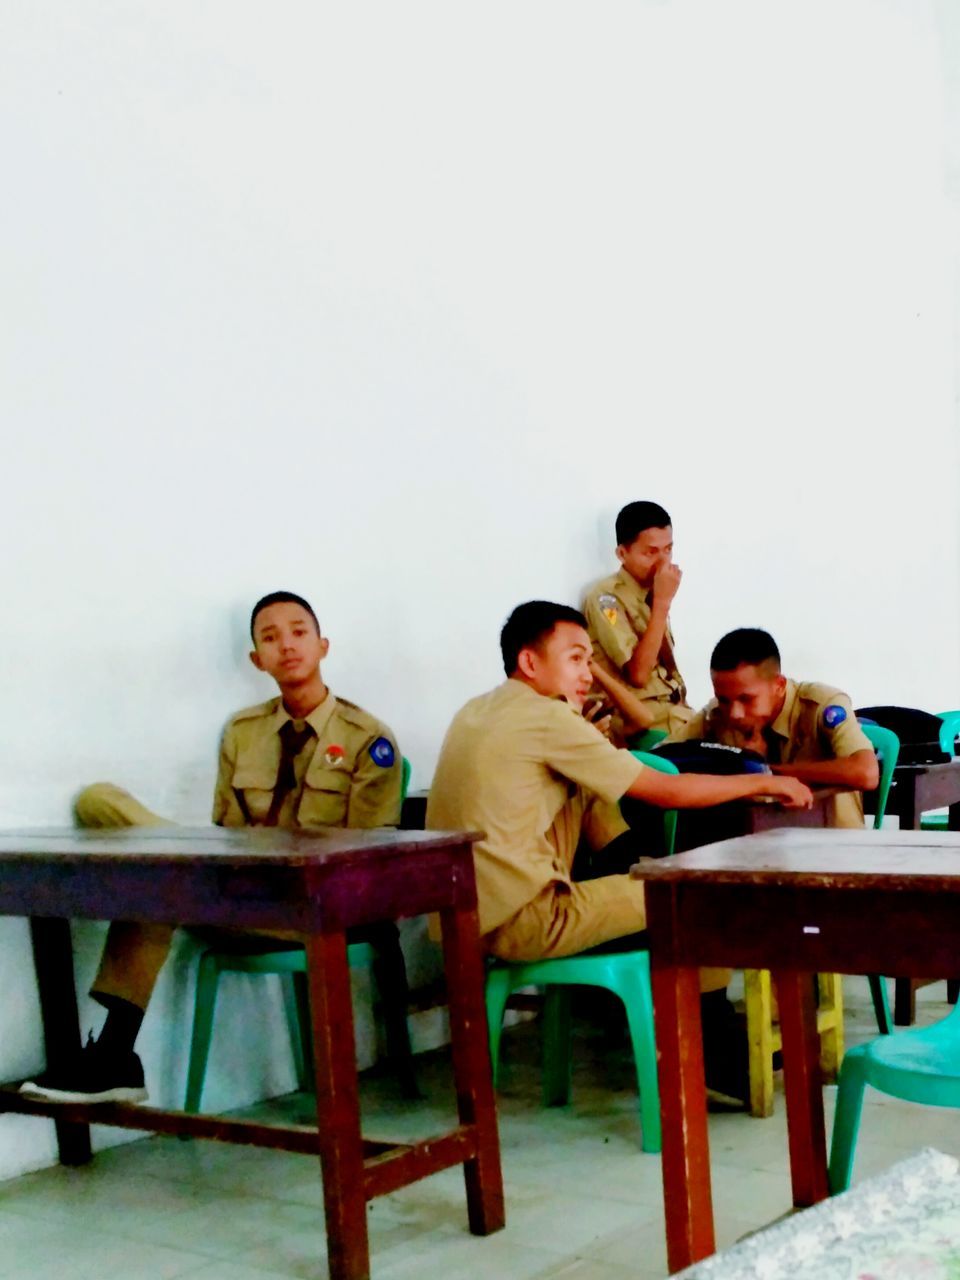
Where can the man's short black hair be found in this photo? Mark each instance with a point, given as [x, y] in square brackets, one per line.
[530, 624]
[637, 516]
[747, 647]
[280, 597]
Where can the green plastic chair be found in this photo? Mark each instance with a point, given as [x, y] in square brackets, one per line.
[625, 973]
[921, 1064]
[288, 961]
[647, 740]
[887, 746]
[949, 730]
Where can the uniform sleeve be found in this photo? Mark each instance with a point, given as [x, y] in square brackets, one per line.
[576, 750]
[375, 784]
[692, 731]
[839, 729]
[608, 622]
[226, 811]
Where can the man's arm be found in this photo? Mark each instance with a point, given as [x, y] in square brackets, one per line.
[375, 785]
[642, 661]
[226, 810]
[858, 771]
[701, 790]
[636, 714]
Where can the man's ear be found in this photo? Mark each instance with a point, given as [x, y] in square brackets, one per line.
[781, 682]
[255, 659]
[621, 552]
[324, 647]
[527, 663]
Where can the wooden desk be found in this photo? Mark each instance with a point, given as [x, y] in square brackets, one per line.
[915, 790]
[797, 903]
[318, 885]
[697, 827]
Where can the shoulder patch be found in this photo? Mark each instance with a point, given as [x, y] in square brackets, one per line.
[834, 715]
[382, 753]
[609, 606]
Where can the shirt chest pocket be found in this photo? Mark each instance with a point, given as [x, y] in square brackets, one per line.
[253, 786]
[325, 798]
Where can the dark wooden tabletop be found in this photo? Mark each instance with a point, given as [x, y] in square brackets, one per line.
[220, 846]
[810, 858]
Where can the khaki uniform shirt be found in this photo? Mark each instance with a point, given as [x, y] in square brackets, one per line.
[816, 722]
[530, 773]
[348, 775]
[618, 611]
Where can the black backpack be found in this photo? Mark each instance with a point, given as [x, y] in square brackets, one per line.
[918, 731]
[699, 756]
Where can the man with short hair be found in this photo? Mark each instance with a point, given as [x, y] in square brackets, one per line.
[628, 618]
[303, 759]
[803, 730]
[522, 765]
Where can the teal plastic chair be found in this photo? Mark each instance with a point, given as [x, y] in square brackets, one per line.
[887, 746]
[288, 961]
[647, 740]
[625, 973]
[949, 729]
[921, 1064]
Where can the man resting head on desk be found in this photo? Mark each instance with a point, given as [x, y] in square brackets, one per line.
[806, 731]
[522, 765]
[303, 759]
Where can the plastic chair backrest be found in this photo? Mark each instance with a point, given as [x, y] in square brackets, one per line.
[405, 771]
[669, 815]
[949, 731]
[887, 746]
[648, 740]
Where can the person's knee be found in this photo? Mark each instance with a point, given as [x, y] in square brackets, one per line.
[96, 805]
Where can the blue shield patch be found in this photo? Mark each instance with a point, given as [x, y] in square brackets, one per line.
[833, 716]
[382, 753]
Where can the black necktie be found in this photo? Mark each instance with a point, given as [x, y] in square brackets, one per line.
[292, 742]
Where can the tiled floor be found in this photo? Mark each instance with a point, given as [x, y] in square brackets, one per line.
[583, 1202]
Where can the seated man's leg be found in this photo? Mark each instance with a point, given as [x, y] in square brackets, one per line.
[108, 1069]
[610, 914]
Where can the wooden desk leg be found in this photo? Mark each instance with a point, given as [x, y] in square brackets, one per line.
[476, 1105]
[53, 961]
[338, 1107]
[687, 1200]
[905, 989]
[801, 1080]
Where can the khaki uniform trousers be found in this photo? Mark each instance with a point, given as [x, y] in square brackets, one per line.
[134, 953]
[560, 922]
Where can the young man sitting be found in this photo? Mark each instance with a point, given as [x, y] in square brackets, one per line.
[628, 617]
[523, 766]
[802, 730]
[303, 759]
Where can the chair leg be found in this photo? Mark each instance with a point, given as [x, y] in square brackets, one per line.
[846, 1121]
[296, 1005]
[557, 1058]
[953, 990]
[831, 1037]
[204, 1006]
[638, 1002]
[759, 1002]
[496, 995]
[881, 1004]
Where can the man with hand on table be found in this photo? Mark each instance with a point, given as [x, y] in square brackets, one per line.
[305, 759]
[522, 765]
[802, 730]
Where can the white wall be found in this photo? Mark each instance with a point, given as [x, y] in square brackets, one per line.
[395, 307]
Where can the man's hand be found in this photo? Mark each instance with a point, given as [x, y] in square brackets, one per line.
[604, 723]
[666, 584]
[790, 792]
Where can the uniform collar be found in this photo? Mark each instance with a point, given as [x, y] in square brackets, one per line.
[318, 719]
[626, 580]
[781, 726]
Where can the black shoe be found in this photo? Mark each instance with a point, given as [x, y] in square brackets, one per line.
[92, 1076]
[725, 1052]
